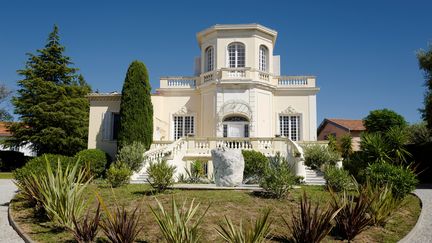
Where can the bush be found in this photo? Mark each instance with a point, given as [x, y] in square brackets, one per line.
[337, 179]
[160, 175]
[401, 180]
[311, 225]
[278, 178]
[346, 146]
[95, 159]
[37, 165]
[85, 229]
[118, 174]
[179, 224]
[254, 232]
[419, 133]
[196, 174]
[383, 120]
[11, 160]
[61, 192]
[255, 165]
[133, 155]
[317, 155]
[356, 165]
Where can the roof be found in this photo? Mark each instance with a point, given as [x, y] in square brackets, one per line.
[348, 124]
[4, 131]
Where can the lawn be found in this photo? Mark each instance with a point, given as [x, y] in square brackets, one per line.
[237, 205]
[6, 175]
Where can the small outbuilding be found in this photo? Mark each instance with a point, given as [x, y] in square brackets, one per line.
[339, 127]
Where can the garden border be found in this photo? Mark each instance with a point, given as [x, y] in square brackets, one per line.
[15, 226]
[413, 231]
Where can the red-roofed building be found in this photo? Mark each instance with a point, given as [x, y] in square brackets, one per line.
[5, 133]
[339, 127]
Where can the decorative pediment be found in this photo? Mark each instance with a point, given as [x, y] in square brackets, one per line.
[182, 111]
[289, 111]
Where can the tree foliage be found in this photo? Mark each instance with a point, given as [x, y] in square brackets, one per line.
[383, 120]
[425, 64]
[4, 94]
[51, 102]
[136, 109]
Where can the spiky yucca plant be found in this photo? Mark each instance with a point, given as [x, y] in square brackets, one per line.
[253, 232]
[179, 225]
[29, 188]
[120, 225]
[384, 205]
[311, 225]
[61, 192]
[86, 228]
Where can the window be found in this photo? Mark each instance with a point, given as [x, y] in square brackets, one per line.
[263, 58]
[111, 126]
[209, 59]
[183, 126]
[236, 55]
[225, 130]
[246, 130]
[290, 127]
[116, 125]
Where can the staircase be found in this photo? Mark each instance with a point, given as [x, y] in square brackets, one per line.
[314, 177]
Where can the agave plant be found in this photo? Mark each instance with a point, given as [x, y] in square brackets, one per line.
[61, 193]
[120, 225]
[252, 233]
[177, 226]
[354, 216]
[311, 225]
[86, 228]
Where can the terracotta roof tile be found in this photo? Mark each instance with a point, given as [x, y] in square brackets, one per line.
[353, 125]
[4, 131]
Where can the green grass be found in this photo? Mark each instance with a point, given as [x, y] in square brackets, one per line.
[236, 204]
[6, 175]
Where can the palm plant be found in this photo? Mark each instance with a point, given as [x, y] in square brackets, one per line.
[86, 228]
[177, 226]
[374, 147]
[253, 233]
[61, 193]
[396, 138]
[120, 225]
[311, 225]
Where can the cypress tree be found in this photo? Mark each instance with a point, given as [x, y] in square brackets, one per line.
[136, 109]
[51, 102]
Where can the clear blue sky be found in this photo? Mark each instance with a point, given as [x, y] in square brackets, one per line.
[362, 52]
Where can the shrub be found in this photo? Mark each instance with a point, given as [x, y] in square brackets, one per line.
[133, 155]
[311, 225]
[278, 178]
[356, 165]
[95, 159]
[332, 143]
[374, 147]
[255, 165]
[29, 188]
[86, 228]
[419, 133]
[118, 174]
[11, 160]
[337, 179]
[346, 146]
[384, 204]
[195, 174]
[254, 232]
[353, 217]
[160, 175]
[37, 165]
[61, 192]
[401, 180]
[120, 225]
[383, 120]
[180, 224]
[317, 155]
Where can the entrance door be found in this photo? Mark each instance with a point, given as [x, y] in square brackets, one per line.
[235, 130]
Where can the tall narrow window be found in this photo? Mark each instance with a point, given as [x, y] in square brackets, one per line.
[116, 125]
[263, 58]
[236, 55]
[183, 126]
[290, 127]
[209, 59]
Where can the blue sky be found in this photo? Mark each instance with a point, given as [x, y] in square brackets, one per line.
[362, 52]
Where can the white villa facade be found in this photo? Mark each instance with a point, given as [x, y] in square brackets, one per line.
[237, 98]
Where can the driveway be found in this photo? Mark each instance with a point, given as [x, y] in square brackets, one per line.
[7, 191]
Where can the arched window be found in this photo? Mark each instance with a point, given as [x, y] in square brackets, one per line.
[263, 58]
[209, 59]
[236, 55]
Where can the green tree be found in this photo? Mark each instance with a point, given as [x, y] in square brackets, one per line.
[383, 120]
[51, 102]
[425, 64]
[136, 109]
[4, 94]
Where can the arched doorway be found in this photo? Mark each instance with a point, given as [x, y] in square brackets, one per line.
[235, 126]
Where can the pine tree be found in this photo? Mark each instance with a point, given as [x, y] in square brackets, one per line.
[51, 102]
[136, 109]
[425, 63]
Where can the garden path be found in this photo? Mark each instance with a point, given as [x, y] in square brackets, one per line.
[7, 191]
[422, 231]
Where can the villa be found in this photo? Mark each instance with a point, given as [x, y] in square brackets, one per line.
[237, 98]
